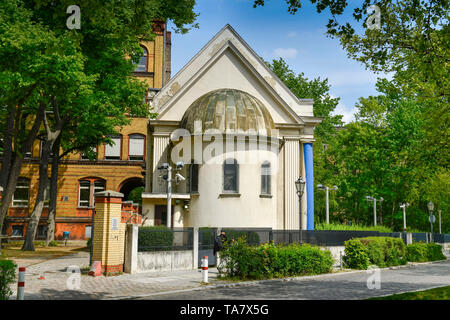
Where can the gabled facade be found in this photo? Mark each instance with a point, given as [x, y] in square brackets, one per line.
[224, 95]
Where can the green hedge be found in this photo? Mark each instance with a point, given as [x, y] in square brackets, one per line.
[422, 252]
[7, 277]
[156, 238]
[240, 260]
[360, 253]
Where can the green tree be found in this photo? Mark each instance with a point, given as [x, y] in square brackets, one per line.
[324, 104]
[82, 76]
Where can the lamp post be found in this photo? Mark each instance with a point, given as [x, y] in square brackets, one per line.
[300, 186]
[404, 206]
[440, 230]
[327, 206]
[430, 210]
[369, 198]
[168, 178]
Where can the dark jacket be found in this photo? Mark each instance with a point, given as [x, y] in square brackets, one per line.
[218, 243]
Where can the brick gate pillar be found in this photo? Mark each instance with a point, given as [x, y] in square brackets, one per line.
[109, 232]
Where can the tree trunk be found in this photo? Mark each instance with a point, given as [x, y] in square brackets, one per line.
[39, 205]
[17, 165]
[53, 192]
[7, 147]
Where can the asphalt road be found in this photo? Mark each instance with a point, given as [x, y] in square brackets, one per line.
[343, 286]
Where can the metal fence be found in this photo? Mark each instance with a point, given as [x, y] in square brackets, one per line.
[163, 239]
[320, 237]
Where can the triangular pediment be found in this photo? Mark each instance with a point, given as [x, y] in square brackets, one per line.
[226, 61]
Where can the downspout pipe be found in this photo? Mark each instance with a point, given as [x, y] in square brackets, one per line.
[164, 55]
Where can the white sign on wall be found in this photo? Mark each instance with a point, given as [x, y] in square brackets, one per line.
[115, 224]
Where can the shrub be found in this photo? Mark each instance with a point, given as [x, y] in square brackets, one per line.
[55, 244]
[422, 252]
[251, 236]
[354, 227]
[240, 260]
[7, 277]
[356, 255]
[88, 243]
[380, 251]
[156, 238]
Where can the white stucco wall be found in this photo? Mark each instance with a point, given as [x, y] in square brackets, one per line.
[211, 209]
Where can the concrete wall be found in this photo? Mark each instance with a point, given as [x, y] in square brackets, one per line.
[164, 261]
[336, 253]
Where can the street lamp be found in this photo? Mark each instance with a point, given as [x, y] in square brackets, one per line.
[300, 186]
[168, 178]
[327, 207]
[440, 230]
[430, 210]
[404, 206]
[369, 198]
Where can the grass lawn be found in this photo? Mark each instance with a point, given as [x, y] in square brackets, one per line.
[13, 251]
[442, 293]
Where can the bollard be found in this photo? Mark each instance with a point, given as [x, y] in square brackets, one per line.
[205, 269]
[21, 284]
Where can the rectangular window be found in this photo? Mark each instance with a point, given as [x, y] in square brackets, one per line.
[87, 232]
[265, 179]
[136, 150]
[85, 193]
[230, 177]
[20, 197]
[193, 178]
[113, 152]
[17, 231]
[99, 186]
[41, 232]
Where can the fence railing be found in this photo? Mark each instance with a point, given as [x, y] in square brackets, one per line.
[320, 237]
[151, 239]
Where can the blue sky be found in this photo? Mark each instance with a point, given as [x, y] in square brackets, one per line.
[272, 32]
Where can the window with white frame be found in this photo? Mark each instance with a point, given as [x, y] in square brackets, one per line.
[136, 147]
[21, 195]
[112, 152]
[87, 189]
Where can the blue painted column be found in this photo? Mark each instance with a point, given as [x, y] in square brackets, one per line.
[309, 170]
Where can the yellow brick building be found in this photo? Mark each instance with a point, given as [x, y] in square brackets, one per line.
[117, 168]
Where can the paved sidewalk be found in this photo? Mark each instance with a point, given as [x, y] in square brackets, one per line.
[60, 285]
[57, 284]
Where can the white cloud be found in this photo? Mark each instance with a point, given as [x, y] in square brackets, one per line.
[285, 52]
[348, 113]
[292, 34]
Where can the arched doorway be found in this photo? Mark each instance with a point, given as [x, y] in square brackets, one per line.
[129, 185]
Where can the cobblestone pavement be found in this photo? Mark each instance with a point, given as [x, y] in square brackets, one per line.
[343, 286]
[57, 283]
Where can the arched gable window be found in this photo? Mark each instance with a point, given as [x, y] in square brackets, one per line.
[265, 178]
[142, 64]
[22, 193]
[230, 175]
[86, 190]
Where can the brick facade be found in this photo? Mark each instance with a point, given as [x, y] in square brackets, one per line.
[115, 174]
